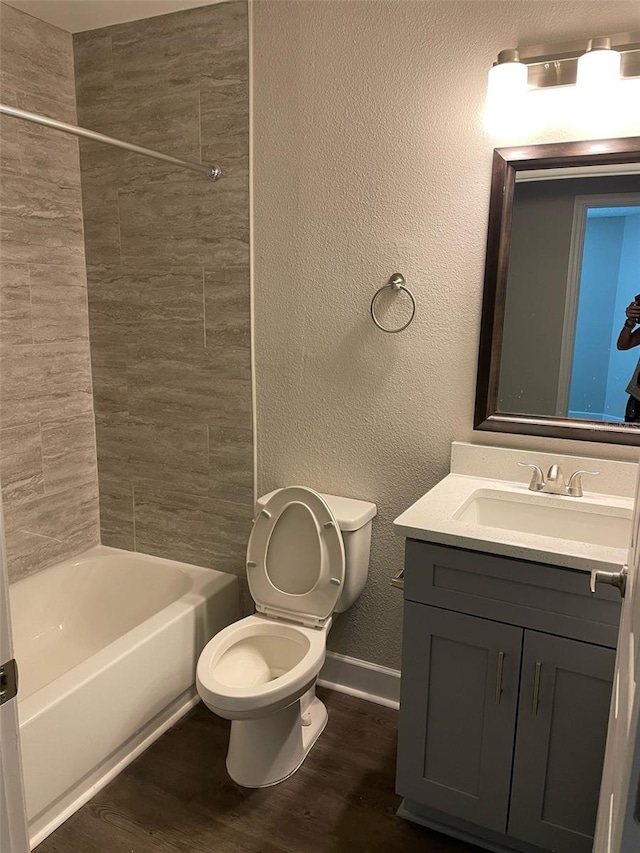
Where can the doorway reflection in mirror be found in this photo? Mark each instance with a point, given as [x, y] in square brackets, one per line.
[574, 264]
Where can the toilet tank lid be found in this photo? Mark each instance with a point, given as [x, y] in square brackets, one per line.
[351, 514]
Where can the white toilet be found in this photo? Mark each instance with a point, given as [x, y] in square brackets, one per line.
[308, 557]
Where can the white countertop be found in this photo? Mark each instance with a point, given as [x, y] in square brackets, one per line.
[432, 519]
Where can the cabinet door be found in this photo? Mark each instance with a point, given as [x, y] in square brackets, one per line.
[562, 728]
[459, 692]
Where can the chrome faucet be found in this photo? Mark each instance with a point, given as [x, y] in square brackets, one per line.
[554, 483]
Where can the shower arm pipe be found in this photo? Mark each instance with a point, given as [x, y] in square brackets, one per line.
[212, 171]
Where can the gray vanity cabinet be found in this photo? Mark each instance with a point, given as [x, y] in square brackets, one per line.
[507, 669]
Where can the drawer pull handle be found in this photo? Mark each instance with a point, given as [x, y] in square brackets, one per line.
[499, 677]
[536, 689]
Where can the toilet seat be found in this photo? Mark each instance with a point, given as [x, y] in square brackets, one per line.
[237, 695]
[295, 558]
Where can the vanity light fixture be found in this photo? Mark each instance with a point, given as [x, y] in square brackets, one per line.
[592, 64]
[599, 67]
[508, 76]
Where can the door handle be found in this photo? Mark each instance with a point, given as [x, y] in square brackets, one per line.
[618, 579]
[398, 580]
[8, 681]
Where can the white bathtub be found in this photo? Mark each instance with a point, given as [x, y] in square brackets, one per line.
[107, 646]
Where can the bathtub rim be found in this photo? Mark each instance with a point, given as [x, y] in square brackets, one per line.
[204, 582]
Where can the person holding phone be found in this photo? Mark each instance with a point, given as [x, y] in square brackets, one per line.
[628, 338]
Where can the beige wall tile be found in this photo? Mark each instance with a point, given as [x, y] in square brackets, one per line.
[51, 527]
[58, 303]
[164, 120]
[49, 156]
[69, 453]
[116, 512]
[193, 529]
[101, 219]
[44, 382]
[9, 137]
[21, 472]
[40, 220]
[15, 305]
[109, 374]
[183, 223]
[209, 386]
[175, 455]
[224, 110]
[173, 409]
[36, 54]
[144, 305]
[231, 465]
[93, 68]
[228, 307]
[29, 552]
[171, 51]
[48, 469]
[56, 515]
[48, 105]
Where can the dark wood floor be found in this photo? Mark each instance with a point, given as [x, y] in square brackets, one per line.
[177, 796]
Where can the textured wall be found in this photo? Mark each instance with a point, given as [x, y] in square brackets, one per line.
[370, 157]
[47, 444]
[167, 265]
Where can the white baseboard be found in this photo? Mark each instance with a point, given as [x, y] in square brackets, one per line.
[368, 681]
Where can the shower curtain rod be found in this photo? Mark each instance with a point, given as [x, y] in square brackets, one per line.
[211, 171]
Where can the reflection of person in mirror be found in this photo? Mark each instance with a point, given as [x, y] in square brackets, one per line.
[628, 338]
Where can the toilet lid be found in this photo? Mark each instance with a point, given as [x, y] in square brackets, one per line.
[295, 557]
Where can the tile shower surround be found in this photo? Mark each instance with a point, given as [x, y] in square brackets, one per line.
[47, 444]
[168, 283]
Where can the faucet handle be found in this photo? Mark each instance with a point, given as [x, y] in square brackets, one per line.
[537, 477]
[574, 486]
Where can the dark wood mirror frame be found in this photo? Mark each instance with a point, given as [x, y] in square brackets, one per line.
[507, 162]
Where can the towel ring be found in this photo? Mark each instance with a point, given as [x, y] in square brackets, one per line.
[397, 283]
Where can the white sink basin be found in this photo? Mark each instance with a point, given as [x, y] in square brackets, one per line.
[547, 515]
[504, 517]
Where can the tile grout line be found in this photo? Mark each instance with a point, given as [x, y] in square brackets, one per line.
[44, 480]
[33, 340]
[199, 124]
[204, 308]
[133, 514]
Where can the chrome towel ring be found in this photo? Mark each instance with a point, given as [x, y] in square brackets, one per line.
[397, 283]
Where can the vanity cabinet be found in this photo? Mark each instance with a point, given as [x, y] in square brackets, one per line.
[506, 683]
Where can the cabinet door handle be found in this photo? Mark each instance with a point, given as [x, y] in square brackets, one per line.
[536, 689]
[499, 677]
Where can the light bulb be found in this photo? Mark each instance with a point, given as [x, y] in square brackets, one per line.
[506, 105]
[507, 78]
[599, 67]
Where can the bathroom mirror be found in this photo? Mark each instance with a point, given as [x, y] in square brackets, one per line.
[562, 265]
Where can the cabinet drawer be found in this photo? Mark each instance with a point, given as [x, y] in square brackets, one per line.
[546, 598]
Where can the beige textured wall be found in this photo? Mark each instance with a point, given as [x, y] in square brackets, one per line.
[370, 157]
[47, 443]
[168, 274]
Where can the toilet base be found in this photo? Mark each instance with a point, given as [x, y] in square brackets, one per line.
[268, 750]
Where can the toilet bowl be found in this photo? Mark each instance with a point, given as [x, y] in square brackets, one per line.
[260, 672]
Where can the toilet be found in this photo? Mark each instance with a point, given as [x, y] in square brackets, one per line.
[307, 558]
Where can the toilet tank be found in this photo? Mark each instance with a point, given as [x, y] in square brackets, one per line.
[354, 519]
